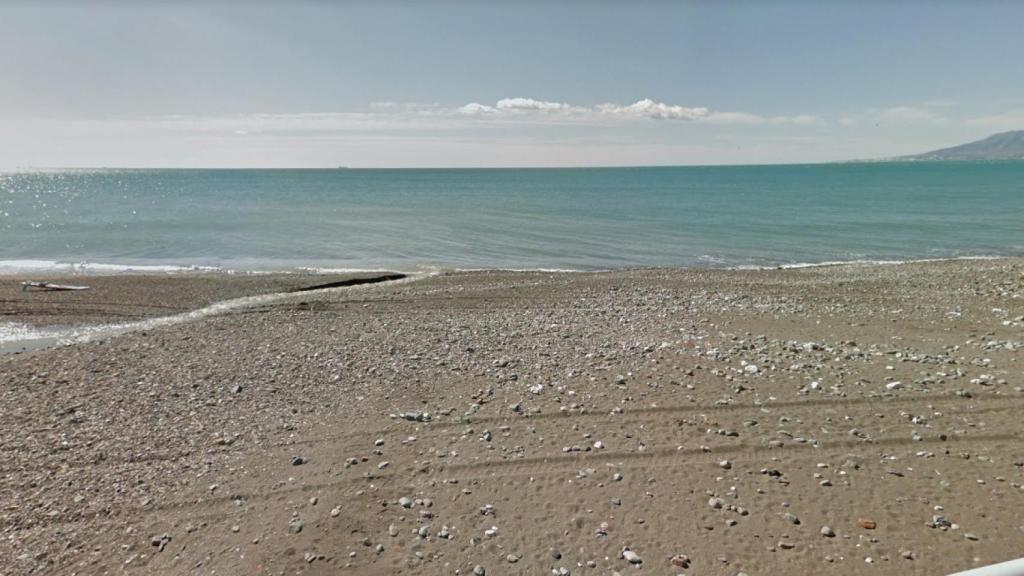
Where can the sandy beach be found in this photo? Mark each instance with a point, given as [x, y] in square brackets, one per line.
[851, 419]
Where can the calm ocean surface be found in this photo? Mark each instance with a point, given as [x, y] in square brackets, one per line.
[581, 219]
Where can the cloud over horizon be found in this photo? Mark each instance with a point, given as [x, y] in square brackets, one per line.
[509, 131]
[643, 109]
[385, 117]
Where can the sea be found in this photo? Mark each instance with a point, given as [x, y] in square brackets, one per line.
[413, 220]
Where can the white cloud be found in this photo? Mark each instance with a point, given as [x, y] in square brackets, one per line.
[641, 109]
[648, 108]
[383, 116]
[476, 109]
[519, 106]
[645, 109]
[529, 104]
[391, 117]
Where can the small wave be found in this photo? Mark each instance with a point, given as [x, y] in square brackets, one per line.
[10, 331]
[10, 267]
[42, 266]
[859, 262]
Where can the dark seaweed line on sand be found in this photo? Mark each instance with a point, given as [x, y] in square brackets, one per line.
[352, 282]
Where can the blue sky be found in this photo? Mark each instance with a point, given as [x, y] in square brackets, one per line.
[475, 83]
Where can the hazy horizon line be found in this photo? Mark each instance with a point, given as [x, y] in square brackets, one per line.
[520, 167]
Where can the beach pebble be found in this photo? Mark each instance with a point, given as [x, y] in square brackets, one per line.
[161, 541]
[940, 522]
[416, 416]
[827, 532]
[631, 557]
[478, 570]
[335, 512]
[295, 526]
[867, 523]
[681, 561]
[405, 502]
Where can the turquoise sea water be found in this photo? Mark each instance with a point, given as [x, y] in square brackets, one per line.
[517, 218]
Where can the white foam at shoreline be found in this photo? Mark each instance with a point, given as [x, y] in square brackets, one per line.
[12, 267]
[17, 266]
[17, 337]
[12, 331]
[829, 263]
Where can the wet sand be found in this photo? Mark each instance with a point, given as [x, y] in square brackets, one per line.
[842, 420]
[127, 297]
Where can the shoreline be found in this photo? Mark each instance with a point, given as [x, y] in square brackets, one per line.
[65, 327]
[135, 296]
[52, 269]
[32, 320]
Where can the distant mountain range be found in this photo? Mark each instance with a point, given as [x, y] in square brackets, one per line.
[1002, 146]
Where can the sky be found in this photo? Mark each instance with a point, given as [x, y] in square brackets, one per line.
[494, 83]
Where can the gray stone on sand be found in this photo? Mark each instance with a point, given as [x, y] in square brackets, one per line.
[631, 557]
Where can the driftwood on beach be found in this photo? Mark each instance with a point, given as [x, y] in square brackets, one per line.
[26, 286]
